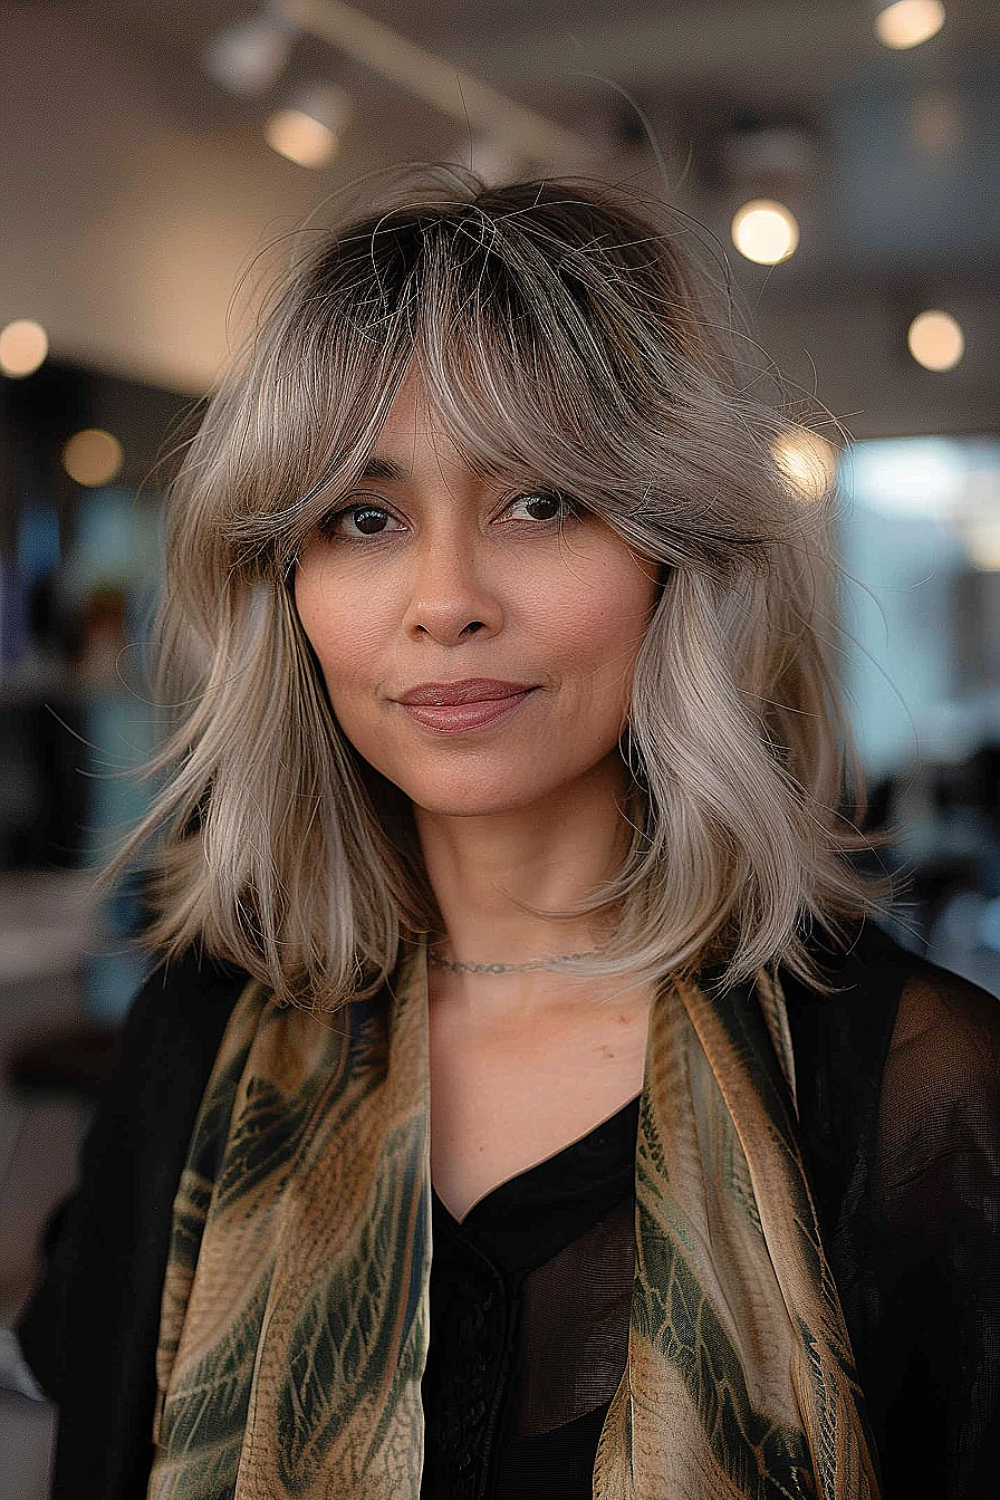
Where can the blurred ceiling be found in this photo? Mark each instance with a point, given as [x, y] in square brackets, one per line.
[137, 189]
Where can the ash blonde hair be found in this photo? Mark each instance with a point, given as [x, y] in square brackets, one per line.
[564, 334]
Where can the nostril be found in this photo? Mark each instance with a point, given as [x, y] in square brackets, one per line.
[472, 627]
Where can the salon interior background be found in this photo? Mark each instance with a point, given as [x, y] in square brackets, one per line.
[150, 153]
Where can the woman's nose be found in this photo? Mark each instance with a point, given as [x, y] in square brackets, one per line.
[452, 596]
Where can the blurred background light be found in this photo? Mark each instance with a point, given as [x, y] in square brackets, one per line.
[765, 231]
[935, 339]
[907, 23]
[249, 57]
[93, 457]
[808, 460]
[300, 138]
[980, 520]
[921, 478]
[308, 130]
[23, 347]
[982, 542]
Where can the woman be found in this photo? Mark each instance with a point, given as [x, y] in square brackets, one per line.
[525, 1107]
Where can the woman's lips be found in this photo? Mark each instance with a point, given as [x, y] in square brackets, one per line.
[456, 718]
[463, 690]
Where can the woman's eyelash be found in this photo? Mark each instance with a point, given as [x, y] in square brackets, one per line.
[553, 506]
[328, 526]
[564, 506]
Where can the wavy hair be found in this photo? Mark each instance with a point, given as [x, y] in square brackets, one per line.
[565, 330]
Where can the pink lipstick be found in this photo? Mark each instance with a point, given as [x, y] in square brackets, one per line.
[455, 707]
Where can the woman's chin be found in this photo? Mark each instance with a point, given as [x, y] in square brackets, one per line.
[531, 785]
[472, 804]
[477, 797]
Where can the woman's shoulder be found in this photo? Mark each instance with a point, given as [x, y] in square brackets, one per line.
[902, 999]
[939, 1100]
[895, 1015]
[176, 1021]
[115, 1230]
[899, 1065]
[190, 989]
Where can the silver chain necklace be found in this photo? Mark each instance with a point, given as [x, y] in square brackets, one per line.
[454, 966]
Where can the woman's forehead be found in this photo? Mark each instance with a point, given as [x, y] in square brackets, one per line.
[417, 432]
[410, 413]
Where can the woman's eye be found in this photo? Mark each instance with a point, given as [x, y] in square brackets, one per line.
[358, 521]
[543, 506]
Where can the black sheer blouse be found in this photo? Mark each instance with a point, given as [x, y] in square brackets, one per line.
[530, 1299]
[898, 1077]
[530, 1293]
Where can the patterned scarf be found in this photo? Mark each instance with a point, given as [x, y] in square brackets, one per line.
[295, 1314]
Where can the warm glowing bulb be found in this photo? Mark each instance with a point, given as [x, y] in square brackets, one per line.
[909, 22]
[765, 232]
[807, 460]
[23, 347]
[92, 457]
[936, 340]
[300, 137]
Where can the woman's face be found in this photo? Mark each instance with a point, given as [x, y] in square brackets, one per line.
[478, 643]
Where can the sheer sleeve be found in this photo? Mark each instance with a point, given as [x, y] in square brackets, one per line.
[90, 1328]
[932, 1280]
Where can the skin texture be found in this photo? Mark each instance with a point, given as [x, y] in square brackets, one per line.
[461, 583]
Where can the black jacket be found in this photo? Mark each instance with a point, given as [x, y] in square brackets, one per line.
[898, 1081]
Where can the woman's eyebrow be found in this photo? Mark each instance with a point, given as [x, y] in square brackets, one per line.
[384, 468]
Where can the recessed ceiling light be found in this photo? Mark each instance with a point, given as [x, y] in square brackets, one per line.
[93, 457]
[308, 129]
[250, 56]
[935, 339]
[765, 231]
[23, 347]
[907, 23]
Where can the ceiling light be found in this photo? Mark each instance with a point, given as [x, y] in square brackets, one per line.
[935, 339]
[308, 129]
[300, 138]
[909, 22]
[765, 231]
[23, 347]
[93, 457]
[249, 56]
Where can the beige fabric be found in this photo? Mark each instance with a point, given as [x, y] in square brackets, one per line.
[295, 1310]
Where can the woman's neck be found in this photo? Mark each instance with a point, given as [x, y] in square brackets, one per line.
[485, 870]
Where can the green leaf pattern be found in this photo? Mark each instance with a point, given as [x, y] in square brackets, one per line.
[295, 1310]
